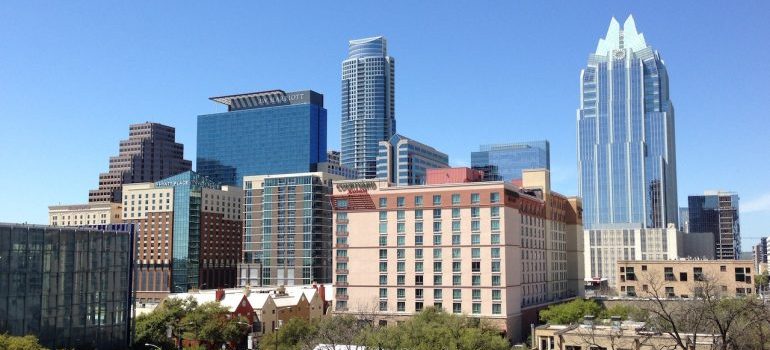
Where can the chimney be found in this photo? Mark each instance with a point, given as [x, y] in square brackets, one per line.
[321, 290]
[220, 294]
[281, 291]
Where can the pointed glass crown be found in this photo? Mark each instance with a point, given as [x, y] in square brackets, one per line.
[621, 38]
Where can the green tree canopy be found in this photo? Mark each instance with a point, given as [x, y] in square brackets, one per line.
[571, 312]
[27, 342]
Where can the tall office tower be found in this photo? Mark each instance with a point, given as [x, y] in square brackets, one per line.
[760, 255]
[625, 128]
[505, 162]
[684, 219]
[287, 236]
[333, 166]
[188, 234]
[487, 249]
[717, 212]
[368, 100]
[268, 132]
[150, 154]
[403, 161]
[70, 287]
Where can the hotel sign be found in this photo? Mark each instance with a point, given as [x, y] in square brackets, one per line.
[357, 186]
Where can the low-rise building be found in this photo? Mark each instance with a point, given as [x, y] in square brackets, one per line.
[85, 214]
[616, 335]
[684, 278]
[486, 249]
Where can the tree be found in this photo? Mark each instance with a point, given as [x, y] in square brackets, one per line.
[435, 329]
[293, 335]
[27, 342]
[210, 323]
[571, 312]
[761, 282]
[151, 328]
[626, 312]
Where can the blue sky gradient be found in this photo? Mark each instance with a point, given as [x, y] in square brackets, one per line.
[74, 74]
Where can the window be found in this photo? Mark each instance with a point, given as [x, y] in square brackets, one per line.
[400, 266]
[400, 227]
[495, 225]
[456, 280]
[457, 308]
[383, 216]
[401, 306]
[418, 253]
[740, 275]
[495, 253]
[418, 240]
[383, 266]
[437, 227]
[457, 294]
[723, 268]
[437, 213]
[496, 294]
[644, 267]
[437, 266]
[496, 280]
[631, 291]
[476, 308]
[418, 227]
[400, 280]
[476, 294]
[383, 241]
[418, 306]
[494, 197]
[455, 239]
[383, 280]
[455, 199]
[475, 239]
[437, 239]
[418, 214]
[495, 238]
[437, 199]
[418, 266]
[400, 202]
[683, 276]
[437, 280]
[436, 253]
[476, 266]
[400, 215]
[341, 203]
[455, 213]
[456, 226]
[383, 293]
[496, 309]
[400, 254]
[476, 280]
[401, 240]
[383, 202]
[475, 253]
[383, 253]
[383, 228]
[475, 198]
[630, 274]
[437, 294]
[475, 211]
[417, 201]
[669, 273]
[697, 273]
[455, 253]
[401, 293]
[494, 212]
[456, 266]
[495, 266]
[418, 293]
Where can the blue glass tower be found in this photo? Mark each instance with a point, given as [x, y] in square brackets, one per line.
[625, 129]
[367, 104]
[506, 161]
[269, 132]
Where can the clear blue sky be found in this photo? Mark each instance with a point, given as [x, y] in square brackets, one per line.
[74, 74]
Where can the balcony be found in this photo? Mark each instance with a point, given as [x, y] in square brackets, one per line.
[341, 246]
[341, 297]
[342, 259]
[341, 284]
[342, 271]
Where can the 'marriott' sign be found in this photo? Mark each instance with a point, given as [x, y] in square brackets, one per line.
[357, 186]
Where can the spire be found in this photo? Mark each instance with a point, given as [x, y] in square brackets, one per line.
[627, 37]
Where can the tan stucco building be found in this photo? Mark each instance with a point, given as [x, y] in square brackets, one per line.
[622, 335]
[85, 214]
[486, 249]
[684, 278]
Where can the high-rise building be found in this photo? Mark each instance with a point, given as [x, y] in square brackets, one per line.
[505, 162]
[625, 129]
[760, 254]
[71, 287]
[684, 219]
[287, 237]
[368, 100]
[268, 132]
[717, 212]
[405, 162]
[487, 249]
[149, 154]
[188, 234]
[333, 166]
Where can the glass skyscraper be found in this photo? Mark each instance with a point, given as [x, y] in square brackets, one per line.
[405, 162]
[269, 132]
[506, 161]
[717, 212]
[625, 129]
[368, 100]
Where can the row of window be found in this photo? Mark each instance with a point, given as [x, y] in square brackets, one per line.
[494, 197]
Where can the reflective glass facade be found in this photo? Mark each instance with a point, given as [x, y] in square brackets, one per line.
[506, 161]
[368, 99]
[71, 287]
[625, 128]
[405, 162]
[717, 213]
[262, 134]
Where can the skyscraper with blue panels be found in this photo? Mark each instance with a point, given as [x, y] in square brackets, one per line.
[625, 129]
[405, 162]
[506, 161]
[368, 99]
[717, 212]
[269, 132]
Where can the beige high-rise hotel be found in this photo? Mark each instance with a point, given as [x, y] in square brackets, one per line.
[485, 249]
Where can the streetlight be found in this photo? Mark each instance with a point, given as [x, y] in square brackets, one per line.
[180, 329]
[275, 331]
[152, 345]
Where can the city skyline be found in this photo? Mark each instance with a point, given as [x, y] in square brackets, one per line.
[415, 89]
